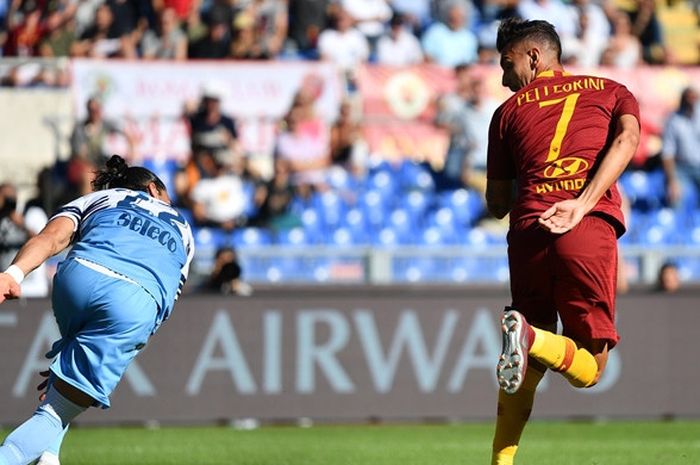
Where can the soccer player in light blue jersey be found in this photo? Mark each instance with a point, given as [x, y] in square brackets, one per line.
[129, 259]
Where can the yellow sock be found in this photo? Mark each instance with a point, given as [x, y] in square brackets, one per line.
[561, 354]
[513, 413]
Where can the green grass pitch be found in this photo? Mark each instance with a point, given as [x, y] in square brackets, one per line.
[544, 443]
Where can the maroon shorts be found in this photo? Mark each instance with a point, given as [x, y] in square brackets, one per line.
[573, 275]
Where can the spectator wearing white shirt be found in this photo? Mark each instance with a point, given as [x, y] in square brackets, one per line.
[345, 46]
[369, 16]
[593, 32]
[218, 200]
[398, 47]
[559, 15]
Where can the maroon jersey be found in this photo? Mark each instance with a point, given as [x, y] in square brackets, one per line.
[550, 137]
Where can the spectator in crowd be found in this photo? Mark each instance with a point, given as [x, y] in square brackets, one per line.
[15, 229]
[479, 110]
[183, 8]
[210, 128]
[130, 17]
[24, 38]
[89, 137]
[593, 32]
[201, 165]
[679, 152]
[194, 26]
[85, 12]
[416, 13]
[624, 49]
[450, 43]
[216, 43]
[226, 275]
[369, 17]
[304, 144]
[559, 15]
[218, 198]
[104, 39]
[60, 36]
[307, 19]
[245, 44]
[398, 47]
[343, 45]
[348, 148]
[259, 30]
[668, 280]
[271, 23]
[453, 115]
[647, 28]
[167, 41]
[275, 199]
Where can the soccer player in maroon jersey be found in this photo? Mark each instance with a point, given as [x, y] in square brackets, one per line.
[556, 148]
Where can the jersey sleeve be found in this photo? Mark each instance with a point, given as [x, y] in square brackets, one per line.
[625, 104]
[188, 243]
[500, 161]
[80, 208]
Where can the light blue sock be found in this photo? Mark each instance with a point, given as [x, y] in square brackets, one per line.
[55, 447]
[42, 430]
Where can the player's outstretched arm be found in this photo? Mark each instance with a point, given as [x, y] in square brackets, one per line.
[51, 240]
[563, 216]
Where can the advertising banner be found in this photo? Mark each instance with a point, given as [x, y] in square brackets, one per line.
[151, 96]
[356, 354]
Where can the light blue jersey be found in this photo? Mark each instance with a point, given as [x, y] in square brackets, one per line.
[136, 236]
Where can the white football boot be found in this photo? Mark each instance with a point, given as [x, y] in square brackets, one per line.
[512, 364]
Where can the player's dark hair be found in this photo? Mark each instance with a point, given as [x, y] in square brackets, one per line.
[118, 174]
[513, 30]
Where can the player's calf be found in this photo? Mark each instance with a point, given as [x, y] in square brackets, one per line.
[558, 353]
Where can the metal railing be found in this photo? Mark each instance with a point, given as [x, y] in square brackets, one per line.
[440, 265]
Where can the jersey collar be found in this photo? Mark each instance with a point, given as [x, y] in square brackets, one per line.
[550, 73]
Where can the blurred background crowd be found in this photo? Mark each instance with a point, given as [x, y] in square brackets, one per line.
[323, 186]
[622, 33]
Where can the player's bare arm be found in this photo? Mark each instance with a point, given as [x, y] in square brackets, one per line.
[563, 216]
[499, 197]
[51, 240]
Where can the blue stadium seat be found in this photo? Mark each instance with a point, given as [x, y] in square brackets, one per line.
[415, 176]
[416, 203]
[330, 207]
[313, 225]
[354, 222]
[385, 237]
[375, 210]
[384, 183]
[467, 205]
[206, 242]
[434, 236]
[250, 208]
[689, 269]
[342, 237]
[401, 222]
[165, 169]
[645, 190]
[251, 237]
[444, 219]
[294, 236]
